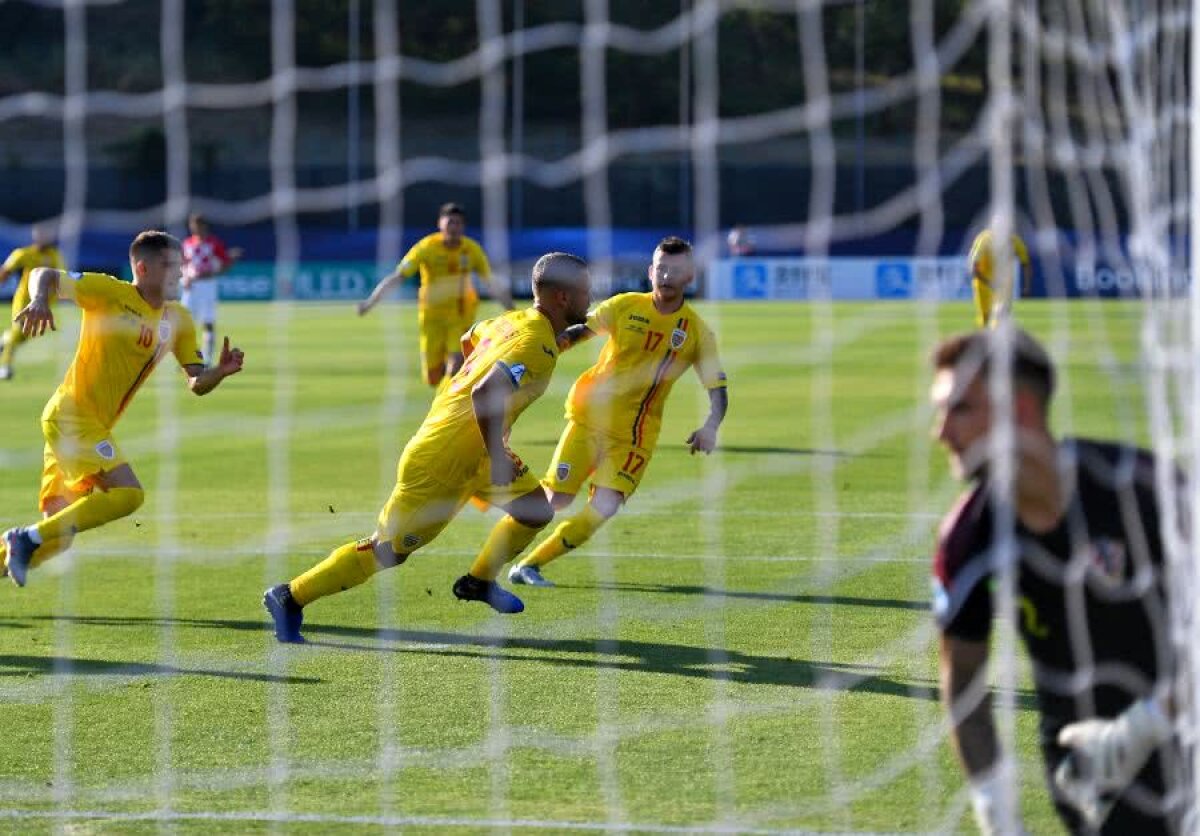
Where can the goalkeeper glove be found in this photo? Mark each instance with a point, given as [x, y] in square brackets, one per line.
[994, 810]
[1106, 755]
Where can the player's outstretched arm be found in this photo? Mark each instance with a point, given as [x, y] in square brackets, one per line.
[232, 256]
[202, 380]
[35, 317]
[704, 440]
[385, 285]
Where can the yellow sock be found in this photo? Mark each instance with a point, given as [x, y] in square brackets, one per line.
[91, 511]
[43, 552]
[570, 534]
[49, 549]
[346, 567]
[507, 540]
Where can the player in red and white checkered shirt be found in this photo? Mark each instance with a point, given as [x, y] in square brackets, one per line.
[204, 258]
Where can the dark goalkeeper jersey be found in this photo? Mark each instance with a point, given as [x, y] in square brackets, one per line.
[1090, 602]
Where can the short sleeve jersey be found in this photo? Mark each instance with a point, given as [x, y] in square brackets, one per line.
[624, 392]
[25, 259]
[522, 344]
[1090, 596]
[121, 340]
[203, 256]
[446, 285]
[982, 260]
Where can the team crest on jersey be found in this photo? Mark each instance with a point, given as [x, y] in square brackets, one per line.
[411, 541]
[1107, 559]
[105, 449]
[562, 471]
[678, 338]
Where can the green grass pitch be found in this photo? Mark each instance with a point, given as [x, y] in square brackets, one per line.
[747, 647]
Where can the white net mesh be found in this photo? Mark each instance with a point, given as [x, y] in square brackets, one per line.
[1083, 132]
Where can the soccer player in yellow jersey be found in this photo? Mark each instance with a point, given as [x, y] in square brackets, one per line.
[127, 329]
[447, 300]
[994, 293]
[614, 410]
[41, 253]
[461, 452]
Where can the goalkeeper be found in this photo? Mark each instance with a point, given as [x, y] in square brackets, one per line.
[1090, 599]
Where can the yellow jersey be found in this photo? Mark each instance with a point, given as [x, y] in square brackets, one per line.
[647, 351]
[522, 343]
[26, 259]
[121, 340]
[446, 285]
[982, 260]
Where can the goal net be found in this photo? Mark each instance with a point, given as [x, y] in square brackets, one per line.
[747, 646]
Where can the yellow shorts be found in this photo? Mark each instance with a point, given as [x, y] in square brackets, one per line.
[422, 503]
[76, 452]
[440, 334]
[583, 452]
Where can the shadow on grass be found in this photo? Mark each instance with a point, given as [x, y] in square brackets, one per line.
[734, 448]
[629, 656]
[711, 592]
[20, 665]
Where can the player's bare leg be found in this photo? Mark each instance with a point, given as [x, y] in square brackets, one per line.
[570, 534]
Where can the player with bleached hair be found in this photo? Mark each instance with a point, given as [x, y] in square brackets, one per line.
[1086, 553]
[460, 453]
[614, 410]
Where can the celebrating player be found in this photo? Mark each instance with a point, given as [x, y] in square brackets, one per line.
[204, 259]
[447, 299]
[41, 253]
[127, 329]
[1087, 559]
[460, 452]
[614, 410]
[994, 291]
